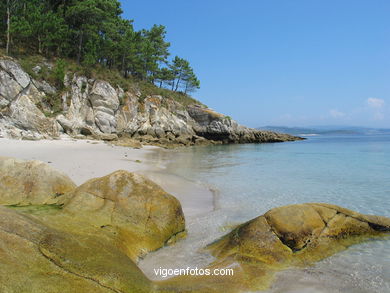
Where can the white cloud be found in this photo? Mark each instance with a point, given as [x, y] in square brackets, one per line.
[375, 103]
[336, 113]
[377, 108]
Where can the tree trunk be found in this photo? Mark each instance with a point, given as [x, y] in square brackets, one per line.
[39, 45]
[8, 26]
[177, 84]
[179, 80]
[80, 47]
[123, 65]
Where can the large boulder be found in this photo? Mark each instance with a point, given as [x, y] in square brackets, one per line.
[143, 214]
[31, 183]
[37, 258]
[89, 244]
[295, 233]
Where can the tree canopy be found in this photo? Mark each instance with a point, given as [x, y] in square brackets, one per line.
[93, 32]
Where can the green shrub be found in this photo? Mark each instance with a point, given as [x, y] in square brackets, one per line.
[59, 72]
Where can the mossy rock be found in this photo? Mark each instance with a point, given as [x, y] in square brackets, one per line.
[143, 214]
[32, 183]
[38, 258]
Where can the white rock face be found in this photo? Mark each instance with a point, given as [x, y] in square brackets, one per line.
[20, 116]
[155, 118]
[9, 88]
[16, 71]
[95, 108]
[105, 103]
[92, 109]
[45, 87]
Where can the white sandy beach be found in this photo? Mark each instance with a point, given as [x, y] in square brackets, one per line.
[85, 159]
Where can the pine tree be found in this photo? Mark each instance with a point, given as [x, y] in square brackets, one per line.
[86, 20]
[93, 32]
[154, 50]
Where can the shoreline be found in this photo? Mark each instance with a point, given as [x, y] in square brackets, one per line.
[82, 160]
[159, 165]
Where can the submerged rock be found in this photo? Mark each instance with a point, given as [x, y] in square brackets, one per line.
[295, 233]
[89, 239]
[31, 183]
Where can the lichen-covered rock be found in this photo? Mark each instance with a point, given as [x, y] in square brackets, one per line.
[31, 182]
[144, 215]
[37, 258]
[87, 241]
[301, 231]
[91, 244]
[295, 235]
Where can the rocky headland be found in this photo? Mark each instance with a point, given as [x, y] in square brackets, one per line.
[93, 108]
[59, 237]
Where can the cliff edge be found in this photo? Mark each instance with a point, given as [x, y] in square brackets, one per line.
[94, 108]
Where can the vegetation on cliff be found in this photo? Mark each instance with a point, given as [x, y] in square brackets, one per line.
[80, 69]
[93, 33]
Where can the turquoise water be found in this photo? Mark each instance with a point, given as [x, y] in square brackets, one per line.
[351, 171]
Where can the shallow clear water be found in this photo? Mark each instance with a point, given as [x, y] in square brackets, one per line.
[351, 171]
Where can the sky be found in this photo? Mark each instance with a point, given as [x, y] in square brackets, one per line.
[282, 62]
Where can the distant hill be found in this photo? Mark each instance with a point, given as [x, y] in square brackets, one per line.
[326, 130]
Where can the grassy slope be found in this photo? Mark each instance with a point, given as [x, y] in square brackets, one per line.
[113, 76]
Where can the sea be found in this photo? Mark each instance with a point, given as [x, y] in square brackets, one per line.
[352, 171]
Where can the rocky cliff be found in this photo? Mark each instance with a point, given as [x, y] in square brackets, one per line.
[96, 108]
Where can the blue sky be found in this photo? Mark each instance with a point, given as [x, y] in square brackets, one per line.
[291, 62]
